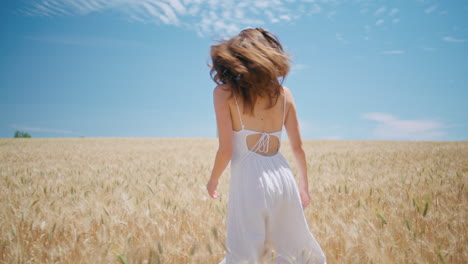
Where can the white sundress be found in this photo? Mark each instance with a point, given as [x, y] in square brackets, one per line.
[264, 209]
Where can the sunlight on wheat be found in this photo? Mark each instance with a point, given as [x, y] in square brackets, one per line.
[143, 200]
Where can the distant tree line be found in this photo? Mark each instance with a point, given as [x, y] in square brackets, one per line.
[21, 134]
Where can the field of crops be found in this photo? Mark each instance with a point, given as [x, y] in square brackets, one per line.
[143, 200]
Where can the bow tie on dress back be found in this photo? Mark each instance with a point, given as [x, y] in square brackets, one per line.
[263, 143]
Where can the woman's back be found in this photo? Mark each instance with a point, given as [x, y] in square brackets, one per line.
[264, 204]
[265, 122]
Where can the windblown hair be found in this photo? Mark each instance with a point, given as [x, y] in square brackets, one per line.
[253, 63]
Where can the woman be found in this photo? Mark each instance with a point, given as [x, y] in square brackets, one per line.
[266, 221]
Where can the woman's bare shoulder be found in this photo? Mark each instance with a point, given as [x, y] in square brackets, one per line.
[222, 90]
[288, 94]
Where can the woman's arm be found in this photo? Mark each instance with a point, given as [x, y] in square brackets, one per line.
[292, 128]
[224, 124]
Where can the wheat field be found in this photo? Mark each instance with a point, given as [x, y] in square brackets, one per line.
[143, 200]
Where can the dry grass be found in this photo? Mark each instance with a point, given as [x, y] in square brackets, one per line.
[142, 200]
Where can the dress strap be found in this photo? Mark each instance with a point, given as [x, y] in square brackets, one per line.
[240, 116]
[284, 107]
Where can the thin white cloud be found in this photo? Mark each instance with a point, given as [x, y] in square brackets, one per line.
[425, 48]
[430, 9]
[310, 129]
[204, 16]
[331, 14]
[307, 128]
[390, 127]
[394, 11]
[305, 125]
[298, 67]
[452, 39]
[86, 41]
[340, 38]
[285, 17]
[178, 6]
[443, 12]
[314, 9]
[169, 14]
[41, 129]
[367, 28]
[393, 52]
[262, 4]
[380, 11]
[395, 20]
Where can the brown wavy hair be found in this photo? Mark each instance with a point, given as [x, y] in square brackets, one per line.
[253, 63]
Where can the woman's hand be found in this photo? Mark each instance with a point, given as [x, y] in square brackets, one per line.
[305, 197]
[212, 187]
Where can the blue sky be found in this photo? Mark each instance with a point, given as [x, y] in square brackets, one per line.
[391, 70]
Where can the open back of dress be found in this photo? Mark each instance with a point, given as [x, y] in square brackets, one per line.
[263, 142]
[266, 221]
